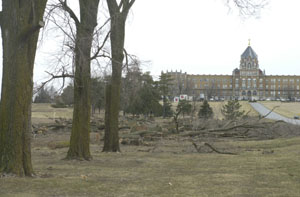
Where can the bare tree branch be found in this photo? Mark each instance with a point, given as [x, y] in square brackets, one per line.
[127, 6]
[70, 11]
[54, 21]
[248, 8]
[121, 4]
[99, 48]
[113, 7]
[63, 76]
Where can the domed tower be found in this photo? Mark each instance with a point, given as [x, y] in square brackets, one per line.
[249, 63]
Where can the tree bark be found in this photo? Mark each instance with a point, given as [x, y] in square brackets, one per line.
[118, 14]
[80, 135]
[20, 24]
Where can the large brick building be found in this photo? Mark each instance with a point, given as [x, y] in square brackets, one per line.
[246, 82]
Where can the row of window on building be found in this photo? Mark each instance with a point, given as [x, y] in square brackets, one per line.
[249, 85]
[273, 80]
[254, 93]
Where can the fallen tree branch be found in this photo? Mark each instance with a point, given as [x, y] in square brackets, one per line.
[196, 147]
[244, 125]
[212, 148]
[262, 117]
[229, 123]
[102, 127]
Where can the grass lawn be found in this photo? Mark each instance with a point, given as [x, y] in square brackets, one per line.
[287, 109]
[261, 169]
[44, 113]
[217, 106]
[268, 168]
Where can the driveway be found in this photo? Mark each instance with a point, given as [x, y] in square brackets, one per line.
[262, 110]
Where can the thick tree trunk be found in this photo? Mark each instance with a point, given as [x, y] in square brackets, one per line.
[80, 136]
[111, 139]
[20, 24]
[118, 14]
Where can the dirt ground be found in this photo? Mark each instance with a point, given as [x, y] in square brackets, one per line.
[165, 166]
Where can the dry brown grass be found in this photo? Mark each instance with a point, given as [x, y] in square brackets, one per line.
[173, 169]
[287, 109]
[58, 144]
[217, 106]
[44, 113]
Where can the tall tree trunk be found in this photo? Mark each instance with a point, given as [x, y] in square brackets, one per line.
[111, 139]
[80, 136]
[20, 23]
[118, 14]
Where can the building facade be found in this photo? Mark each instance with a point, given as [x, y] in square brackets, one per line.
[247, 82]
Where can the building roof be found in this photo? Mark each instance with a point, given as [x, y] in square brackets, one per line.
[249, 52]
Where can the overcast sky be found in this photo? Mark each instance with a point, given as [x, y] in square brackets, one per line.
[201, 37]
[204, 37]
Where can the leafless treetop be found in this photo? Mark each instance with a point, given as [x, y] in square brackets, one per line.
[247, 8]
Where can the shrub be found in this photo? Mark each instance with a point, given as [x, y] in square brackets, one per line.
[231, 110]
[205, 111]
[59, 103]
[184, 107]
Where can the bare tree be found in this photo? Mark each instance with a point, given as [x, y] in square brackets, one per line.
[85, 26]
[118, 14]
[247, 8]
[20, 24]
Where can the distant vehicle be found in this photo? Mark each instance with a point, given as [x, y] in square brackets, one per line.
[268, 99]
[202, 96]
[296, 117]
[211, 99]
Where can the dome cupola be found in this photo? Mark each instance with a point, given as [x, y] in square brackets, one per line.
[249, 59]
